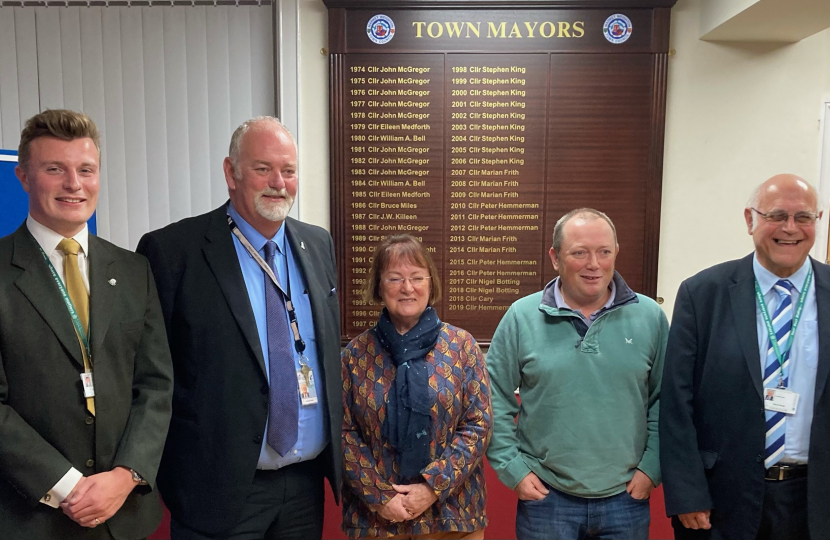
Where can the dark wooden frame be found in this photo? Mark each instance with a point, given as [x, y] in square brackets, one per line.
[497, 4]
[661, 19]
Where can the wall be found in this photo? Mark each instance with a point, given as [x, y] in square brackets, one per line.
[736, 115]
[716, 11]
[314, 113]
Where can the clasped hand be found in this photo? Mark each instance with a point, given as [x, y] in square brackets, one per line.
[98, 497]
[410, 502]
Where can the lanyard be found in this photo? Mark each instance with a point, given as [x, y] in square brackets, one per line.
[79, 329]
[299, 344]
[796, 318]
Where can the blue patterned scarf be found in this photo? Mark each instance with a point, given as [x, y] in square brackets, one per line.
[408, 424]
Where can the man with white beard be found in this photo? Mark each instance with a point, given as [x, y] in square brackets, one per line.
[250, 303]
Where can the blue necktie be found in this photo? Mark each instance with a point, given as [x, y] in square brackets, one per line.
[782, 322]
[283, 412]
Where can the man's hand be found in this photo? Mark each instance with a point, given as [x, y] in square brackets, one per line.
[640, 486]
[77, 487]
[393, 510]
[417, 498]
[531, 488]
[98, 497]
[696, 520]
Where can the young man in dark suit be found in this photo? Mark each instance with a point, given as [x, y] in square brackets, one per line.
[85, 373]
[250, 303]
[735, 464]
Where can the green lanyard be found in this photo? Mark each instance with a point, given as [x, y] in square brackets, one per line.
[68, 301]
[796, 318]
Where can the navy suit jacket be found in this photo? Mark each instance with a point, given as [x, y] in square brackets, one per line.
[712, 425]
[220, 397]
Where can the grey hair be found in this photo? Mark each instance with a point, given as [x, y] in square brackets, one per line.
[236, 138]
[755, 199]
[590, 213]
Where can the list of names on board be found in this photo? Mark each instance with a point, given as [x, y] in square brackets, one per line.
[451, 149]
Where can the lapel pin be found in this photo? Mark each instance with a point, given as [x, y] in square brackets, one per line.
[302, 245]
[112, 282]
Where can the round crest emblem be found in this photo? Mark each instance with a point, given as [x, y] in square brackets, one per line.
[617, 28]
[380, 29]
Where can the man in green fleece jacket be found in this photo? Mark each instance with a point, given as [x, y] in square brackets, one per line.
[587, 356]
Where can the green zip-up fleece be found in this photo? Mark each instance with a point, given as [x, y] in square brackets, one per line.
[589, 406]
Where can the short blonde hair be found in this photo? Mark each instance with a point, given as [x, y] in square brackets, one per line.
[59, 123]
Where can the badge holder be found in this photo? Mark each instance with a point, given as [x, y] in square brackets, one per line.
[305, 383]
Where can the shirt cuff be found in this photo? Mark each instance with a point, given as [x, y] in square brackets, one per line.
[62, 489]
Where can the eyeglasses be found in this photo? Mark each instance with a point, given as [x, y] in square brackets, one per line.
[780, 216]
[397, 282]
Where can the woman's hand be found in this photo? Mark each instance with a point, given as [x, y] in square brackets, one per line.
[393, 510]
[416, 498]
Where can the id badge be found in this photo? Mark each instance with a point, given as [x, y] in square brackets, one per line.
[305, 383]
[88, 384]
[780, 400]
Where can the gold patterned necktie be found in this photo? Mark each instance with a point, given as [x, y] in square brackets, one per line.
[80, 299]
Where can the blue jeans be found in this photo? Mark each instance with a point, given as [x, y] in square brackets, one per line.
[561, 516]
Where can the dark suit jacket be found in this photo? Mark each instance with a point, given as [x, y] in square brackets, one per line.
[712, 425]
[44, 426]
[220, 402]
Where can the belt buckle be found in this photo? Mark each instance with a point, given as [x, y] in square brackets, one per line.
[775, 473]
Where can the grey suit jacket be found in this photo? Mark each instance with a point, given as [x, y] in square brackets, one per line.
[44, 426]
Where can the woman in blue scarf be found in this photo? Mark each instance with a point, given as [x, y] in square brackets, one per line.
[417, 410]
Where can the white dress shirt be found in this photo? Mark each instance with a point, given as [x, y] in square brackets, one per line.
[49, 240]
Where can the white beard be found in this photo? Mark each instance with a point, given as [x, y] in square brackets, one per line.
[273, 211]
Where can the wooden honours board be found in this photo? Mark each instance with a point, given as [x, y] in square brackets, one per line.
[475, 129]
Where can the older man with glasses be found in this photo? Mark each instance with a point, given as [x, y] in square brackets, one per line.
[745, 418]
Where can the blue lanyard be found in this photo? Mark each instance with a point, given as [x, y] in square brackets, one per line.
[796, 319]
[76, 321]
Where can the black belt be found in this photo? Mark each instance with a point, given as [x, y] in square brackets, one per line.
[785, 472]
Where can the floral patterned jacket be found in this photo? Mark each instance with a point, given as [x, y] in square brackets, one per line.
[461, 422]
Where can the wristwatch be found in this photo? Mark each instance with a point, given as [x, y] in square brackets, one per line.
[137, 478]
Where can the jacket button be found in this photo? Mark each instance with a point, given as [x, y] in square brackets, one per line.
[258, 439]
[89, 420]
[90, 463]
[759, 458]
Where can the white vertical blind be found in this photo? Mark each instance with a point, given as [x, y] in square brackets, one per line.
[166, 86]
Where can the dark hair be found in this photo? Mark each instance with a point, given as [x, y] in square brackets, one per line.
[392, 249]
[59, 123]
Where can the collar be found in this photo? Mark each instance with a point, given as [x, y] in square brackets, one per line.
[560, 300]
[766, 279]
[49, 239]
[254, 237]
[623, 296]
